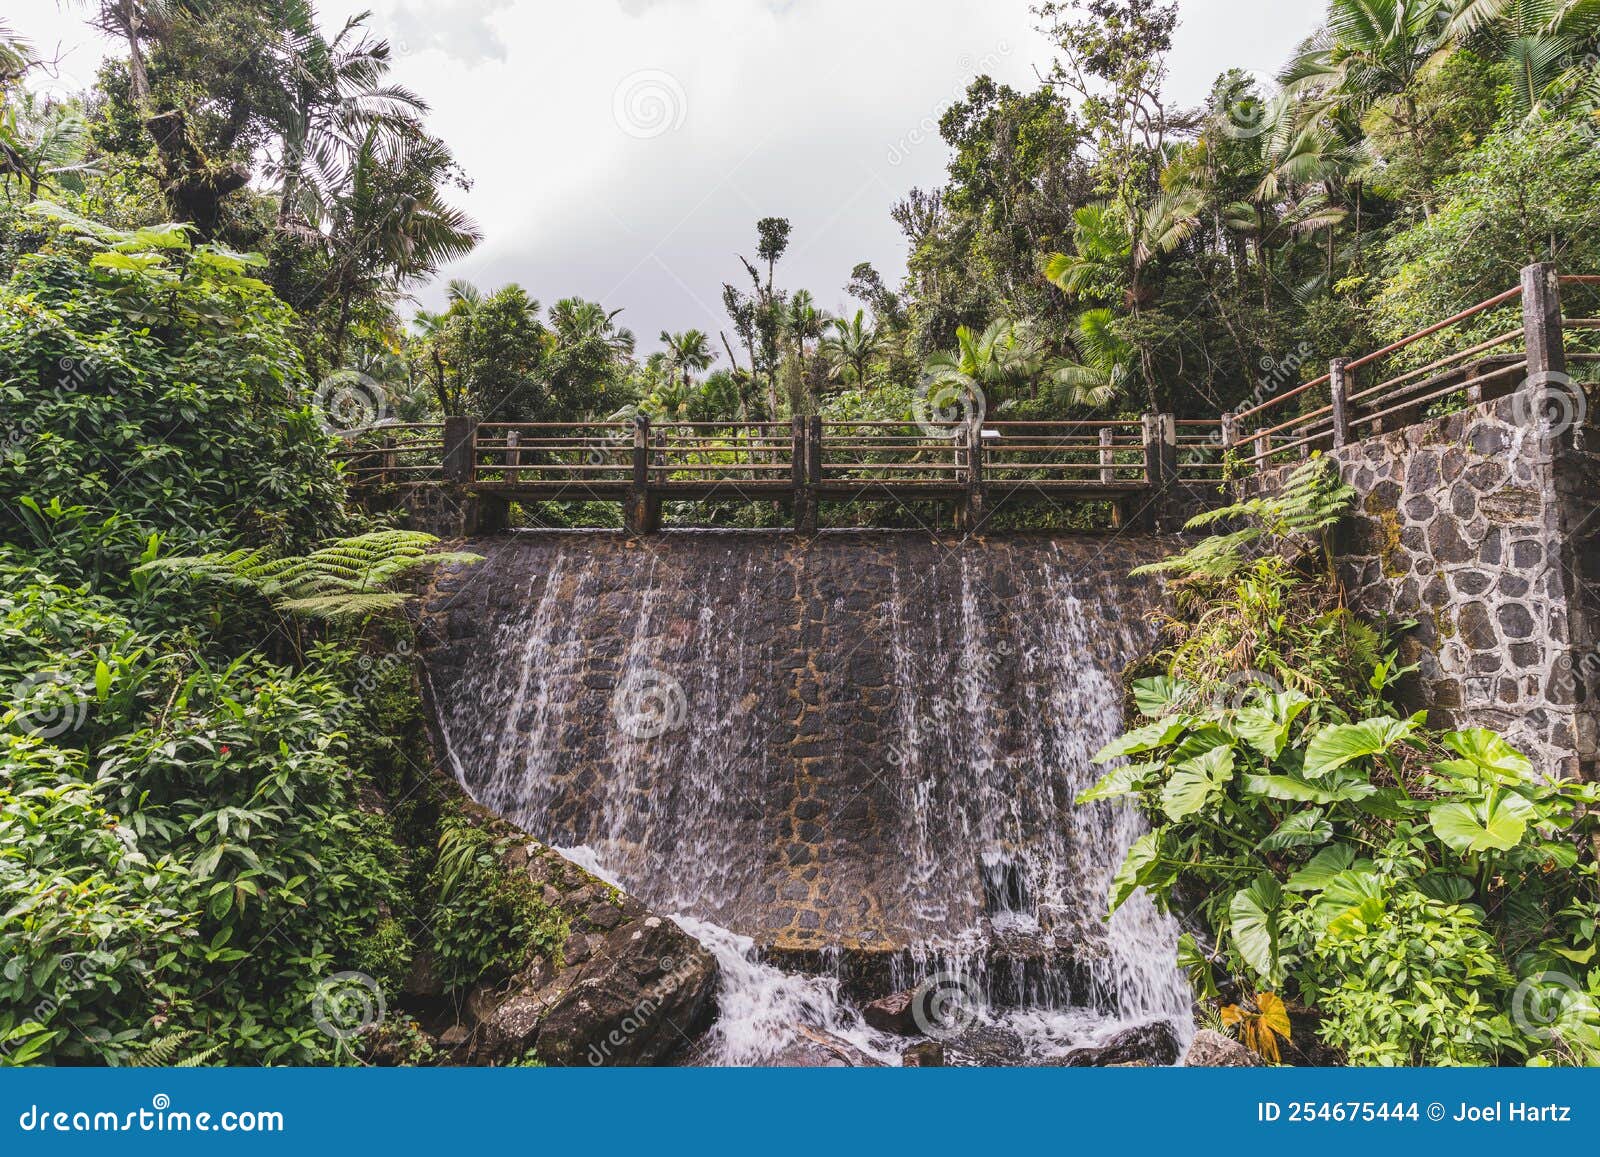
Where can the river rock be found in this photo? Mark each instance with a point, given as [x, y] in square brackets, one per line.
[1213, 1050]
[893, 1014]
[814, 1049]
[1154, 1043]
[632, 988]
[985, 1045]
[928, 1054]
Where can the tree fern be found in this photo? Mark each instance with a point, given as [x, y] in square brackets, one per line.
[348, 579]
[1311, 500]
[163, 1053]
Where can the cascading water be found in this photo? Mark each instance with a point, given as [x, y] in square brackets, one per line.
[855, 755]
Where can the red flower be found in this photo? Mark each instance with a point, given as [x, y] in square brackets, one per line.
[224, 749]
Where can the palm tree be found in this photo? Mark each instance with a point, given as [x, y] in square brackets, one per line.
[1104, 369]
[39, 140]
[578, 322]
[390, 225]
[332, 96]
[1540, 41]
[1113, 250]
[1000, 363]
[850, 348]
[687, 352]
[1369, 54]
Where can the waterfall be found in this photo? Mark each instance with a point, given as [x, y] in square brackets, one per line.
[846, 765]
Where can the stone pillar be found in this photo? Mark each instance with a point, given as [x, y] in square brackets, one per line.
[1108, 456]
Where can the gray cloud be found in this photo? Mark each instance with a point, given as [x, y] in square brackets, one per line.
[460, 29]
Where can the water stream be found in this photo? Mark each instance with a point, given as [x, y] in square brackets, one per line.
[857, 757]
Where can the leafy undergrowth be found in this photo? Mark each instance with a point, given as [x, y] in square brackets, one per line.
[1423, 897]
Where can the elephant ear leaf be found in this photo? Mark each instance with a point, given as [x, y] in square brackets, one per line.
[1483, 825]
[1322, 869]
[1117, 782]
[1253, 922]
[1486, 750]
[1142, 739]
[1162, 696]
[1265, 726]
[1333, 747]
[1139, 866]
[1194, 781]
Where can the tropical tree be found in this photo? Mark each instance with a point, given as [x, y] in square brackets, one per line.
[332, 97]
[687, 353]
[999, 364]
[1541, 43]
[850, 348]
[1104, 368]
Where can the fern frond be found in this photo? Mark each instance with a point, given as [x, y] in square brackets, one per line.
[344, 580]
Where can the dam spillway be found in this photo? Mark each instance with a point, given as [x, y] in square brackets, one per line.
[860, 747]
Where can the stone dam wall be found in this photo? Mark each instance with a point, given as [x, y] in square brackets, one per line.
[864, 742]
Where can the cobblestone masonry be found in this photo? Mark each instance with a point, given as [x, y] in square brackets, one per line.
[861, 716]
[1485, 535]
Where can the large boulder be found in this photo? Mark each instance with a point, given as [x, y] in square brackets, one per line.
[628, 987]
[1154, 1043]
[1212, 1050]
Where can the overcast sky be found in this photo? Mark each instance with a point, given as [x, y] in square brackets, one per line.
[622, 150]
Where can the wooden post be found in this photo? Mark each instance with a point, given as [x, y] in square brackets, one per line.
[1160, 435]
[1108, 456]
[1339, 391]
[814, 472]
[386, 461]
[513, 456]
[805, 521]
[460, 450]
[1263, 444]
[973, 432]
[1230, 431]
[640, 514]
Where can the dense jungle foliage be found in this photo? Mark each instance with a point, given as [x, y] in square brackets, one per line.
[212, 799]
[1412, 897]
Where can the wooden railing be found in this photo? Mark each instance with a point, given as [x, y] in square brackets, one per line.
[1483, 352]
[802, 462]
[1523, 335]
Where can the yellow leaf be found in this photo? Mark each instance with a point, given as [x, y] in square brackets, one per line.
[1273, 1014]
[1232, 1015]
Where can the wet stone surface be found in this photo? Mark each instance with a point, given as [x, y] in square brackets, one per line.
[834, 746]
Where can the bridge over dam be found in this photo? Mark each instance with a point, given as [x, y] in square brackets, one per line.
[859, 747]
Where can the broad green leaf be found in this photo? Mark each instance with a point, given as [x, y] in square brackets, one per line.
[1352, 901]
[1470, 828]
[1194, 781]
[1306, 829]
[1253, 923]
[1117, 782]
[1322, 868]
[1487, 750]
[1162, 695]
[1137, 867]
[1265, 726]
[1333, 747]
[1287, 787]
[1445, 887]
[1141, 739]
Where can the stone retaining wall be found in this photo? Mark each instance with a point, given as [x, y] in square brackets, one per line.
[1483, 532]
